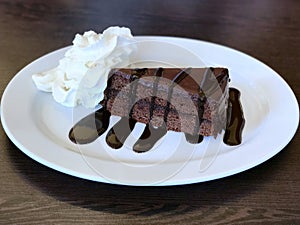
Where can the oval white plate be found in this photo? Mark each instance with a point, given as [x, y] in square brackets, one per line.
[39, 126]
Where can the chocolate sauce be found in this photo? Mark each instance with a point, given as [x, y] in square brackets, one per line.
[212, 82]
[90, 127]
[196, 138]
[132, 92]
[193, 139]
[149, 137]
[236, 121]
[209, 84]
[94, 125]
[158, 74]
[176, 80]
[150, 134]
[117, 135]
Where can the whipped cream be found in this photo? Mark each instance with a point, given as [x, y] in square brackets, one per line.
[81, 76]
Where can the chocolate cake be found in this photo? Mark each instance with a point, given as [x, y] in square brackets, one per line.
[195, 101]
[191, 100]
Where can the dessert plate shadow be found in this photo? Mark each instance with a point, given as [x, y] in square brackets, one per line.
[39, 126]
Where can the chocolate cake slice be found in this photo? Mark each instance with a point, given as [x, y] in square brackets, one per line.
[195, 101]
[189, 100]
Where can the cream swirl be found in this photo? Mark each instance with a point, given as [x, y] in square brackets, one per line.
[81, 76]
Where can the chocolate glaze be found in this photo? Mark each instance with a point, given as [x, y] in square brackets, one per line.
[94, 125]
[90, 127]
[189, 83]
[209, 84]
[117, 135]
[236, 121]
[176, 80]
[158, 74]
[137, 73]
[149, 137]
[193, 139]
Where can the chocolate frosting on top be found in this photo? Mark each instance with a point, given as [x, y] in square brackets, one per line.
[199, 78]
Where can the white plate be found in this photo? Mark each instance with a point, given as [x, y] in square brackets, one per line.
[39, 127]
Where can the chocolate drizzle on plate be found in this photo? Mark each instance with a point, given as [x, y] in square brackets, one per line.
[90, 127]
[149, 137]
[118, 134]
[95, 124]
[236, 121]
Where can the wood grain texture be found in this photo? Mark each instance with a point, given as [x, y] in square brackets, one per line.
[31, 193]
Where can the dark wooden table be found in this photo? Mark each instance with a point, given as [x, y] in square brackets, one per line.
[31, 193]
